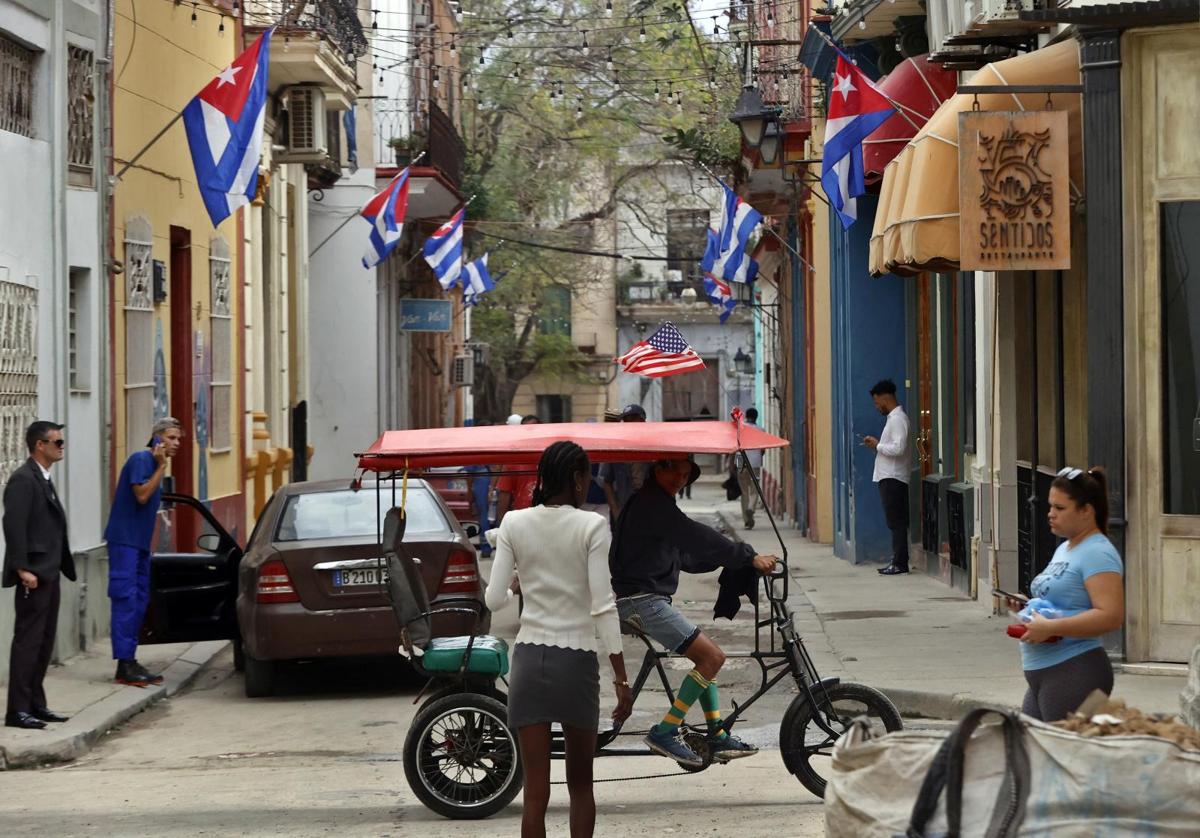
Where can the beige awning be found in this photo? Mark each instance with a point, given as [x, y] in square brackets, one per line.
[916, 224]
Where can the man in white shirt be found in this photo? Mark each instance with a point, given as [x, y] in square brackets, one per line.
[891, 471]
[754, 462]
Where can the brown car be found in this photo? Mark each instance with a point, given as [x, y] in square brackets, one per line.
[310, 584]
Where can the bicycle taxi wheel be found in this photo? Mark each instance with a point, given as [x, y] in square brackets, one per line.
[804, 743]
[460, 757]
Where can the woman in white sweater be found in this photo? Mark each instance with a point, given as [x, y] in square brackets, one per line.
[570, 614]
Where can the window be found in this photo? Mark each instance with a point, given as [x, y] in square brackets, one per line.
[348, 514]
[686, 239]
[554, 316]
[1181, 357]
[16, 87]
[554, 408]
[81, 101]
[139, 333]
[18, 360]
[78, 330]
[221, 325]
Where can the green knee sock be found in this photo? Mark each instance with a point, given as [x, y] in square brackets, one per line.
[693, 687]
[712, 710]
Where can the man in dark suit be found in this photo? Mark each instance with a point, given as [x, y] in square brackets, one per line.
[36, 552]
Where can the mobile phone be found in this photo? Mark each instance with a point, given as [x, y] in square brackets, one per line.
[155, 441]
[1007, 595]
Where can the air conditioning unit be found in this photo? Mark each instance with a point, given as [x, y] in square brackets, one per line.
[306, 140]
[462, 374]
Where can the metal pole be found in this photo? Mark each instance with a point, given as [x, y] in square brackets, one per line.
[129, 164]
[338, 228]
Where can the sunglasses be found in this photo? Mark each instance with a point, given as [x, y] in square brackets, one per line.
[1070, 473]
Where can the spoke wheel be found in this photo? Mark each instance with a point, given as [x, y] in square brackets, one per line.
[460, 758]
[806, 747]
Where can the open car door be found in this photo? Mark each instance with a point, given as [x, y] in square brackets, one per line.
[193, 594]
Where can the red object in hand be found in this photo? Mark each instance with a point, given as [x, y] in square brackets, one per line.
[1016, 630]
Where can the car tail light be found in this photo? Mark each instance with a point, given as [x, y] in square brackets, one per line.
[274, 583]
[462, 575]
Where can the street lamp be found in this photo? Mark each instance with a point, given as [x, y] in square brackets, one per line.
[768, 149]
[742, 362]
[750, 116]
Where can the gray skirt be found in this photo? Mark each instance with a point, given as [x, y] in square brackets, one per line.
[552, 684]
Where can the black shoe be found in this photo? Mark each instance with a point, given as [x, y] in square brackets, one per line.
[151, 678]
[892, 570]
[130, 675]
[28, 721]
[48, 715]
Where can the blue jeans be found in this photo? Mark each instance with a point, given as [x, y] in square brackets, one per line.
[654, 615]
[129, 590]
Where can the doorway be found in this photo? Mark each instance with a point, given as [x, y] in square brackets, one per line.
[181, 387]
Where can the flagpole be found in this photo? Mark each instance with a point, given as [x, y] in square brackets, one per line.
[352, 216]
[780, 238]
[900, 109]
[132, 162]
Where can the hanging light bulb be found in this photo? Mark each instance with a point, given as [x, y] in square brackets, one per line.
[585, 48]
[712, 80]
[642, 31]
[374, 63]
[716, 25]
[481, 61]
[608, 10]
[193, 14]
[287, 42]
[770, 16]
[237, 7]
[862, 23]
[381, 80]
[437, 79]
[452, 46]
[466, 81]
[458, 12]
[517, 72]
[579, 108]
[508, 29]
[561, 95]
[775, 84]
[609, 62]
[374, 17]
[679, 100]
[657, 93]
[221, 28]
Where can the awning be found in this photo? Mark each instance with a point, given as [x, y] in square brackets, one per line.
[498, 445]
[919, 87]
[916, 224]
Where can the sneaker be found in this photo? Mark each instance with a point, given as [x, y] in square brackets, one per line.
[151, 678]
[729, 747]
[671, 746]
[130, 675]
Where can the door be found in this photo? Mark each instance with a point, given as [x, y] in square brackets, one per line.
[1162, 249]
[182, 395]
[193, 592]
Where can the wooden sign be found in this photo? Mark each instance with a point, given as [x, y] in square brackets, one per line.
[1013, 191]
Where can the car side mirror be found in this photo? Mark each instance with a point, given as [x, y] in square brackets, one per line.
[210, 541]
[472, 530]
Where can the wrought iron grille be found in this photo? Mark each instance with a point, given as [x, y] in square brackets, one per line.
[221, 323]
[446, 149]
[336, 20]
[16, 87]
[81, 101]
[18, 372]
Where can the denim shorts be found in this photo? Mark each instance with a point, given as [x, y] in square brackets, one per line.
[654, 615]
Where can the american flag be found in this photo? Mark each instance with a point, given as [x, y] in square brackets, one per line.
[664, 353]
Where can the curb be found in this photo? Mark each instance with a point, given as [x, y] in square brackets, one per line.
[75, 738]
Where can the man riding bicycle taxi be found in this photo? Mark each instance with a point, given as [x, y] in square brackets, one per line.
[653, 540]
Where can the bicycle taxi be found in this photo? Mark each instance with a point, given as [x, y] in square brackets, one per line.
[460, 758]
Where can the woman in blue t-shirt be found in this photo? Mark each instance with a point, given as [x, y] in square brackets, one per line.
[1062, 657]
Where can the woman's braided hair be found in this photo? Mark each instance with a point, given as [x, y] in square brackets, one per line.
[560, 462]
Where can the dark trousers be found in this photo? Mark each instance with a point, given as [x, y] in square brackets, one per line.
[32, 645]
[894, 494]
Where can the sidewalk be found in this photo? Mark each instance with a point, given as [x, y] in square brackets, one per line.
[935, 652]
[83, 689]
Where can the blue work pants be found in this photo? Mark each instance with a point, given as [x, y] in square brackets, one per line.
[129, 590]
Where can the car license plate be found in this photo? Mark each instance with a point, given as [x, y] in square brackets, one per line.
[365, 576]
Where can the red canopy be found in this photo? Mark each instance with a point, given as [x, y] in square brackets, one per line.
[501, 445]
[919, 87]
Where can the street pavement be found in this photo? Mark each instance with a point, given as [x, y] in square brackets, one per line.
[325, 755]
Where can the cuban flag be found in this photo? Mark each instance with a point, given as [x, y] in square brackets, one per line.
[386, 211]
[718, 289]
[856, 109]
[224, 125]
[444, 250]
[476, 280]
[738, 222]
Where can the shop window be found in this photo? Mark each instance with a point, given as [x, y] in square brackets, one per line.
[16, 87]
[81, 102]
[221, 326]
[554, 408]
[1181, 357]
[139, 333]
[18, 360]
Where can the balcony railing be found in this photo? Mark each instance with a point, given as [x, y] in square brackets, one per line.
[648, 292]
[446, 149]
[334, 20]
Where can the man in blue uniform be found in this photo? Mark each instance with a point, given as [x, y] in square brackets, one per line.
[129, 533]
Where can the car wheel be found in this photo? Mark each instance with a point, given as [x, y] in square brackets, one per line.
[239, 655]
[260, 677]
